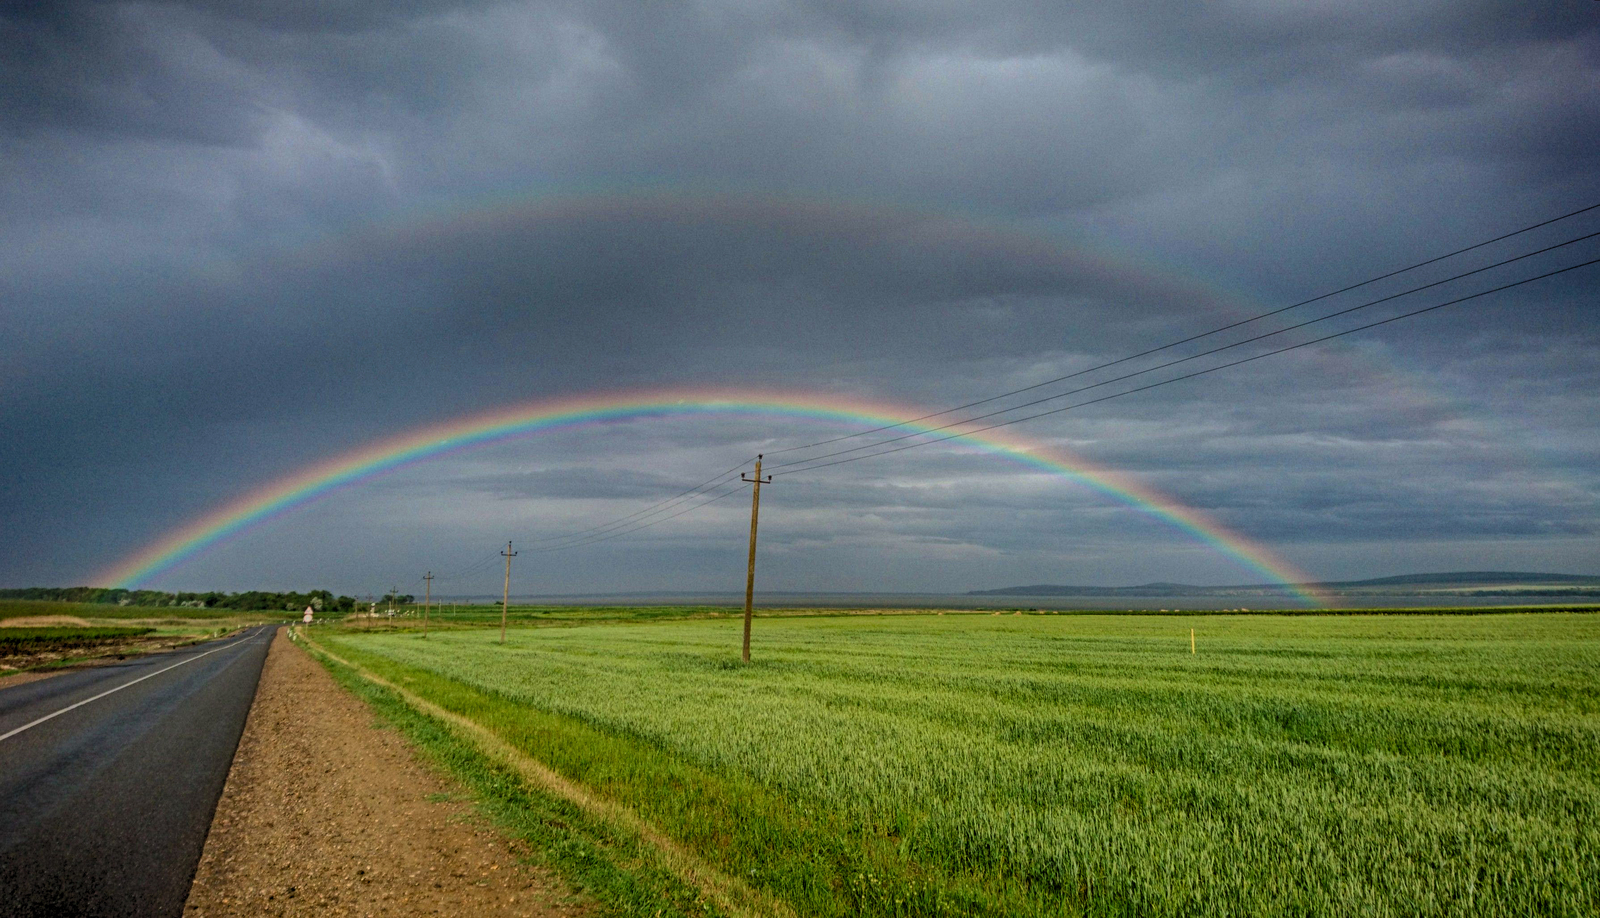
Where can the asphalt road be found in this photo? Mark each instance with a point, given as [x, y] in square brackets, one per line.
[105, 802]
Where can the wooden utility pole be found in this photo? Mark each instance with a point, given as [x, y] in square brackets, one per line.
[505, 600]
[750, 569]
[427, 599]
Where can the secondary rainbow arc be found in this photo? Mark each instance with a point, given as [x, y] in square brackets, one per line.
[421, 444]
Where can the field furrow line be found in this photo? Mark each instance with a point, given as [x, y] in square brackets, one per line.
[729, 893]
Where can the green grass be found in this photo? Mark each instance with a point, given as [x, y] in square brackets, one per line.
[1077, 764]
[106, 629]
[603, 864]
[169, 616]
[33, 640]
[445, 617]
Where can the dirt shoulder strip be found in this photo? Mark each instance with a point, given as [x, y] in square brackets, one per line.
[728, 893]
[326, 812]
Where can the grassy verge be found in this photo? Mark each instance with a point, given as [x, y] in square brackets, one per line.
[38, 636]
[165, 617]
[32, 640]
[612, 865]
[448, 618]
[1386, 765]
[48, 634]
[818, 860]
[24, 650]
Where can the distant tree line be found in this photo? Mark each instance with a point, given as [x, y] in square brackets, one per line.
[251, 601]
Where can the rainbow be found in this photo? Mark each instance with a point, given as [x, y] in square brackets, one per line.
[1035, 246]
[1032, 247]
[529, 419]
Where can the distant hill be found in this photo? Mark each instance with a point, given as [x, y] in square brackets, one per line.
[1469, 578]
[1479, 582]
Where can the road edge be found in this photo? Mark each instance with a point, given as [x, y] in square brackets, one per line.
[726, 892]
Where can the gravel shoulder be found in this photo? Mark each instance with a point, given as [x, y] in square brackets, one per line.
[7, 680]
[327, 812]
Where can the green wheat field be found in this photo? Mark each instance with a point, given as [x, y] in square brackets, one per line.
[1074, 764]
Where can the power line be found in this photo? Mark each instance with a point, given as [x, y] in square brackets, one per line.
[1171, 363]
[1191, 338]
[663, 504]
[715, 488]
[622, 525]
[725, 493]
[638, 520]
[471, 568]
[712, 496]
[1155, 385]
[482, 563]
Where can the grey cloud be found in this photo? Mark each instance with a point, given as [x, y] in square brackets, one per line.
[228, 251]
[119, 71]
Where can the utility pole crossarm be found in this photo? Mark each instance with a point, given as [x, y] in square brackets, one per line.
[750, 569]
[505, 600]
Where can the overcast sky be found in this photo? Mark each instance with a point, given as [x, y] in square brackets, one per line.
[237, 238]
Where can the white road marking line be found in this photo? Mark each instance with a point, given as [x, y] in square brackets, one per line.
[29, 726]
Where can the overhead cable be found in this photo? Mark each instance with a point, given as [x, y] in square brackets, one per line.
[663, 504]
[1196, 356]
[1224, 366]
[710, 499]
[1192, 338]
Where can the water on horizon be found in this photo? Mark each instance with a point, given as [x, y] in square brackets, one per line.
[1133, 602]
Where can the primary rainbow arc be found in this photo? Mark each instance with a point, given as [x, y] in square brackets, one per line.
[418, 445]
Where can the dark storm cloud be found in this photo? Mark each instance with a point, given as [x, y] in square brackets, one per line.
[106, 70]
[208, 280]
